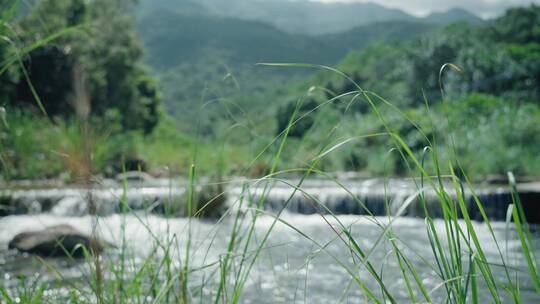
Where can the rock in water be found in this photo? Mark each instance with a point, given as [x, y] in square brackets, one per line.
[56, 241]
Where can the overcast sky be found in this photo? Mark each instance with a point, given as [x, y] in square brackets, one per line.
[484, 8]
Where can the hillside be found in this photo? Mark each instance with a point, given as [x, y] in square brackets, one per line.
[196, 53]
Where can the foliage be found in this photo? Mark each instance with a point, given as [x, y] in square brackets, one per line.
[499, 58]
[413, 77]
[103, 56]
[34, 148]
[226, 112]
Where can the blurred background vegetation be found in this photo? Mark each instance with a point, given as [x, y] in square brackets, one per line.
[158, 85]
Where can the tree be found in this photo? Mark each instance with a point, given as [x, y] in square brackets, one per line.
[518, 25]
[105, 49]
[504, 57]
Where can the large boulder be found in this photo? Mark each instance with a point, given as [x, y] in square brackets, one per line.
[57, 241]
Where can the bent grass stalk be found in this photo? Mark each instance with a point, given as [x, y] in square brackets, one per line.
[459, 257]
[453, 230]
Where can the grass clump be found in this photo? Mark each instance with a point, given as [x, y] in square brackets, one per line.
[469, 265]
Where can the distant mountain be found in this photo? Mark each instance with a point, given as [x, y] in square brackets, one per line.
[209, 48]
[173, 37]
[183, 6]
[453, 15]
[200, 54]
[361, 36]
[307, 17]
[304, 16]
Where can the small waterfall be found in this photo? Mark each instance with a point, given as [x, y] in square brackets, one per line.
[380, 198]
[353, 196]
[77, 201]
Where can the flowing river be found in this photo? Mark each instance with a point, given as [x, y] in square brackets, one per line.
[291, 268]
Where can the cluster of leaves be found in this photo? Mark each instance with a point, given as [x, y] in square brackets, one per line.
[93, 70]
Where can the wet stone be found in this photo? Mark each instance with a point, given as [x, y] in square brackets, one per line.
[57, 241]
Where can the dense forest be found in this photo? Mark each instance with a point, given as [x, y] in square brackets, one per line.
[161, 87]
